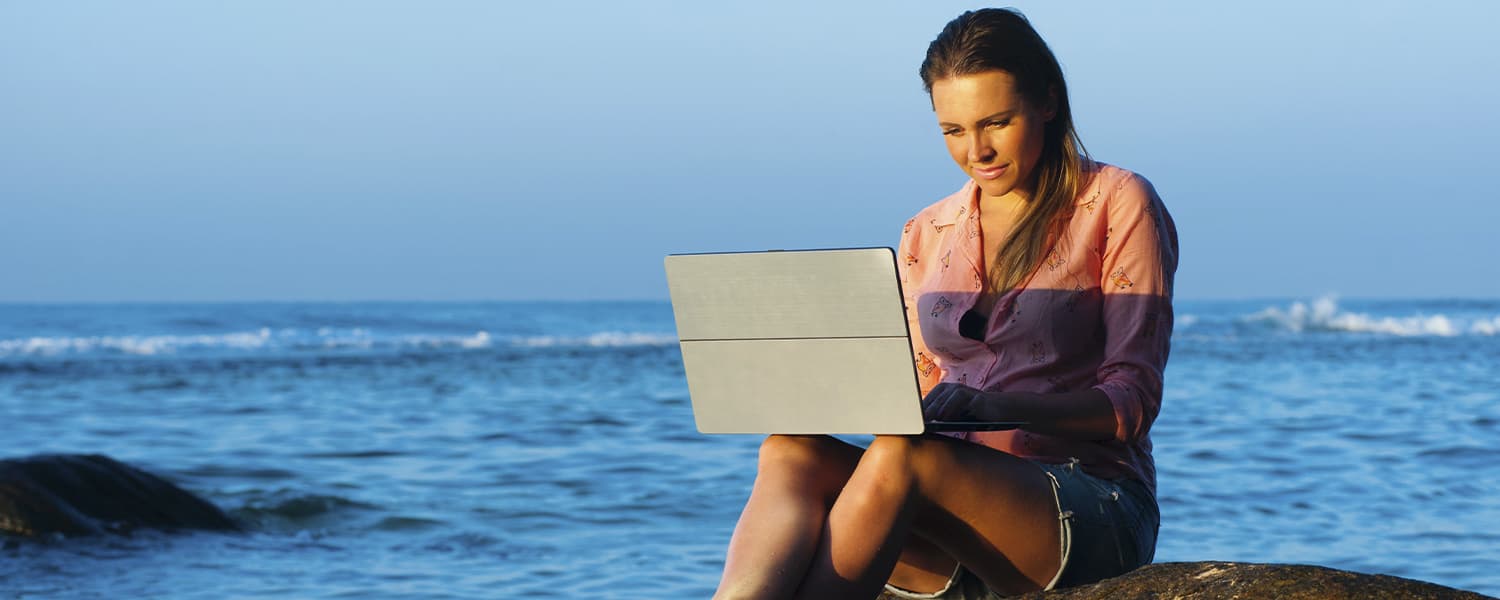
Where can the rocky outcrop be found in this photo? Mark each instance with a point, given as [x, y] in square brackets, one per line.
[1247, 581]
[72, 495]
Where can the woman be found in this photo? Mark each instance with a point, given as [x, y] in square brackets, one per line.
[1040, 292]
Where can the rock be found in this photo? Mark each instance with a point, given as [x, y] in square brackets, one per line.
[1226, 580]
[73, 494]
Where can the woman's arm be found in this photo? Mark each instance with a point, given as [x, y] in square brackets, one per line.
[1139, 260]
[1086, 414]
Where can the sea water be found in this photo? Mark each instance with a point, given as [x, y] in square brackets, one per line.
[494, 450]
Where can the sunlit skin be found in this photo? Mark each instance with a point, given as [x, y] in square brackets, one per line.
[826, 519]
[992, 132]
[996, 137]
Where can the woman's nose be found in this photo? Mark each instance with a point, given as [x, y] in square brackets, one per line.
[980, 149]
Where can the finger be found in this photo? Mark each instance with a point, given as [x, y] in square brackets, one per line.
[933, 404]
[937, 391]
[943, 406]
[932, 396]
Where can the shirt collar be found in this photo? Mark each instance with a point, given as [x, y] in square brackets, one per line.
[955, 208]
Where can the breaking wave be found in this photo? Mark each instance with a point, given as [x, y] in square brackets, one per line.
[1325, 315]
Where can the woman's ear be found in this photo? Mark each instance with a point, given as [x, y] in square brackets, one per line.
[1049, 111]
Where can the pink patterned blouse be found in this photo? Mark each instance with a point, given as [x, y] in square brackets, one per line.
[1097, 313]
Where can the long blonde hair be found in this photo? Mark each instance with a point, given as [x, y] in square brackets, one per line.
[994, 39]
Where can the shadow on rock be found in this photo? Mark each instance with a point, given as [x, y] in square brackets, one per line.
[91, 494]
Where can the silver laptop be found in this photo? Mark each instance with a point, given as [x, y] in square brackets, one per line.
[805, 341]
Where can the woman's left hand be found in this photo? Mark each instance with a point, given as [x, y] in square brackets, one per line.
[957, 402]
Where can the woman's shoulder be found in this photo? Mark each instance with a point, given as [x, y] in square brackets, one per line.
[1118, 198]
[1111, 186]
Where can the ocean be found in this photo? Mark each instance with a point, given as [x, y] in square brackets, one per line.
[493, 450]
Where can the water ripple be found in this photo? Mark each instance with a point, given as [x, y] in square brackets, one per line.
[568, 471]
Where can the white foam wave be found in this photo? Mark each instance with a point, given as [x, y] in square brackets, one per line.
[1485, 327]
[1324, 314]
[363, 340]
[610, 339]
[324, 338]
[480, 339]
[132, 344]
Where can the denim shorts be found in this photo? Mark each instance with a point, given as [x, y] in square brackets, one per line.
[1109, 528]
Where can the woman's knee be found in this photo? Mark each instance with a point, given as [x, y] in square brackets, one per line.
[931, 464]
[806, 457]
[906, 454]
[789, 449]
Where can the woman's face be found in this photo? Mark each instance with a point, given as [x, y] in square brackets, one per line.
[992, 132]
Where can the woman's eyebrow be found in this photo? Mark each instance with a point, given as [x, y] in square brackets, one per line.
[994, 117]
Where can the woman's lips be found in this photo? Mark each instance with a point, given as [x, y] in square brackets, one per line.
[990, 172]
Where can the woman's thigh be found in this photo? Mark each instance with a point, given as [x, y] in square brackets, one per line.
[991, 511]
[1109, 527]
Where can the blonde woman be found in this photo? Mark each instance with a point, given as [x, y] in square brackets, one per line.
[1040, 291]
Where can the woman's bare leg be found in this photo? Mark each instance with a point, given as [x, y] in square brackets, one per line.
[991, 511]
[922, 567]
[796, 482]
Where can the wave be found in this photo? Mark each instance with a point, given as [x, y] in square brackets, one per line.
[301, 340]
[1325, 315]
[136, 345]
[601, 340]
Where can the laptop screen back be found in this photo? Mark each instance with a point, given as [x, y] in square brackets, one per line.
[811, 341]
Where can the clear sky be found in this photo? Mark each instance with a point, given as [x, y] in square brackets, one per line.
[311, 150]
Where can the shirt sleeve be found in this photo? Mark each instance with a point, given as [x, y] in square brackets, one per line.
[909, 264]
[1139, 260]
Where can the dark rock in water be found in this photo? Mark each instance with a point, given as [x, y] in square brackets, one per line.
[1226, 580]
[76, 494]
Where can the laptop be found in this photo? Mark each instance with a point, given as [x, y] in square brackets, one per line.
[799, 342]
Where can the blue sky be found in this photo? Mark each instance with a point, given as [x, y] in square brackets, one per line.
[498, 150]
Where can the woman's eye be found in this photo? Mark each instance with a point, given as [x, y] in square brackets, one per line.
[998, 124]
[952, 131]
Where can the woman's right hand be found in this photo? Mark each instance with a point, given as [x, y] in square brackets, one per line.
[957, 402]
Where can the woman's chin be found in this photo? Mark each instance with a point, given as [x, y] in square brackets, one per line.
[994, 187]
